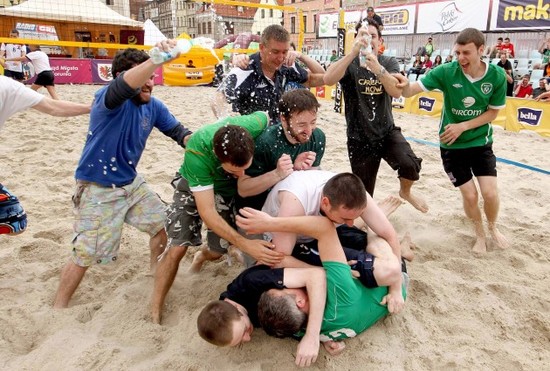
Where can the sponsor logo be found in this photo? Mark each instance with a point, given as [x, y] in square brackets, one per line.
[398, 102]
[104, 71]
[468, 102]
[523, 14]
[466, 112]
[486, 87]
[458, 86]
[449, 16]
[529, 116]
[426, 104]
[398, 17]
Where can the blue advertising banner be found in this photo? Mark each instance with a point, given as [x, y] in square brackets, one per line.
[520, 14]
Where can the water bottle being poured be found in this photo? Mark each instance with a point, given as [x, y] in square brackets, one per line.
[159, 56]
[365, 49]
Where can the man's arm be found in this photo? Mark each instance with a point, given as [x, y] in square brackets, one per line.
[337, 69]
[61, 107]
[314, 280]
[259, 249]
[408, 89]
[453, 131]
[251, 186]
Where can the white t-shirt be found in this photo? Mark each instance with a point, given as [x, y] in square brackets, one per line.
[15, 97]
[40, 61]
[13, 51]
[307, 186]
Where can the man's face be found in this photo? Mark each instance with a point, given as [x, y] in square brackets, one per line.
[370, 13]
[503, 57]
[373, 32]
[300, 126]
[242, 328]
[429, 41]
[274, 53]
[469, 57]
[144, 95]
[339, 215]
[506, 41]
[235, 171]
[542, 84]
[499, 42]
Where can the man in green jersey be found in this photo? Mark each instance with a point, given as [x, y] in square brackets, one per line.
[348, 307]
[215, 157]
[474, 91]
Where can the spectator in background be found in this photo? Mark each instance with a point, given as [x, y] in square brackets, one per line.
[541, 89]
[505, 63]
[41, 64]
[13, 69]
[371, 15]
[546, 70]
[416, 67]
[426, 65]
[494, 51]
[449, 58]
[438, 61]
[429, 48]
[544, 51]
[508, 48]
[333, 57]
[524, 89]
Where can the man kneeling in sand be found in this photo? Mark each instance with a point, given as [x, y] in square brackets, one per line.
[341, 309]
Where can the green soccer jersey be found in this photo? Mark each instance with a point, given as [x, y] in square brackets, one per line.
[351, 308]
[202, 168]
[466, 98]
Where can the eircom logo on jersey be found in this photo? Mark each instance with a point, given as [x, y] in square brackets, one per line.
[426, 104]
[529, 116]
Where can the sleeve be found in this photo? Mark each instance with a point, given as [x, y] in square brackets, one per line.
[197, 169]
[390, 64]
[31, 56]
[16, 97]
[178, 134]
[255, 123]
[433, 80]
[253, 282]
[296, 73]
[263, 158]
[498, 99]
[118, 92]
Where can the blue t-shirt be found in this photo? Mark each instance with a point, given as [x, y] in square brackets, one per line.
[116, 139]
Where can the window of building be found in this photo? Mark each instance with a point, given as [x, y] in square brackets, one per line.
[271, 13]
[209, 27]
[292, 24]
[305, 23]
[262, 13]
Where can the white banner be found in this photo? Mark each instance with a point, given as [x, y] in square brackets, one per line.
[398, 20]
[328, 25]
[452, 16]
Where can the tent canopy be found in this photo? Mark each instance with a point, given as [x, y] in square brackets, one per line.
[85, 11]
[152, 33]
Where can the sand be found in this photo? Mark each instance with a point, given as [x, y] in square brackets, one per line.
[463, 312]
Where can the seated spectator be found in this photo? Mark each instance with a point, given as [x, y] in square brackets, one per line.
[524, 88]
[449, 58]
[505, 63]
[494, 51]
[544, 51]
[426, 66]
[333, 57]
[437, 61]
[508, 48]
[546, 69]
[542, 88]
[427, 49]
[416, 67]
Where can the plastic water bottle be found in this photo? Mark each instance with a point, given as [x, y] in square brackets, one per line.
[365, 50]
[159, 57]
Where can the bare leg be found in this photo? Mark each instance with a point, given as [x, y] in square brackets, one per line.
[491, 205]
[405, 193]
[471, 208]
[71, 275]
[165, 274]
[52, 92]
[201, 256]
[406, 246]
[157, 243]
[35, 87]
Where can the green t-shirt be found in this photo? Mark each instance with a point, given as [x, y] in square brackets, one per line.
[466, 98]
[351, 308]
[202, 168]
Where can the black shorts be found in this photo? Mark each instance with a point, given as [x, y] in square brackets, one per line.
[365, 158]
[460, 164]
[45, 78]
[14, 75]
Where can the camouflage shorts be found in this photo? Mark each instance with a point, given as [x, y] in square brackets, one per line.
[183, 222]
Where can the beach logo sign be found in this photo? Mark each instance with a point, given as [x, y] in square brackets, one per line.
[529, 116]
[486, 88]
[426, 104]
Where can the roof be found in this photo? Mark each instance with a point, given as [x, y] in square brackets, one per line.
[85, 11]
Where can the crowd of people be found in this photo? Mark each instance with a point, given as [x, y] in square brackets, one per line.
[257, 170]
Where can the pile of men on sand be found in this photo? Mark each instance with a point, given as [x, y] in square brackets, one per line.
[268, 158]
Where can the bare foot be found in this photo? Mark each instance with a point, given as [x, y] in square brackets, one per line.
[417, 202]
[198, 261]
[233, 253]
[390, 204]
[334, 348]
[498, 238]
[155, 316]
[480, 246]
[406, 246]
